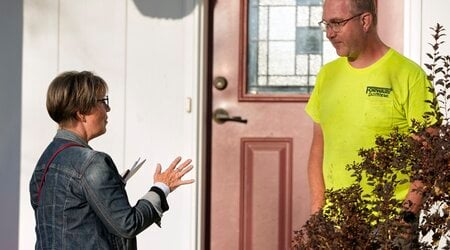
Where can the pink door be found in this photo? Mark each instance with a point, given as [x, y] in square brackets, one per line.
[264, 55]
[260, 134]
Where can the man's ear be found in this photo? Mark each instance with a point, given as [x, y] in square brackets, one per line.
[81, 117]
[367, 21]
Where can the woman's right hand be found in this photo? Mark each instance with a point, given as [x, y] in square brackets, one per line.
[173, 174]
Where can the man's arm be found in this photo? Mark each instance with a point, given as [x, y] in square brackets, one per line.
[413, 201]
[315, 172]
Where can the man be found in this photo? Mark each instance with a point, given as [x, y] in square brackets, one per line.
[368, 91]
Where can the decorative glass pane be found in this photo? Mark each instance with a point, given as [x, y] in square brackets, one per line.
[309, 40]
[282, 58]
[276, 2]
[282, 23]
[303, 18]
[263, 25]
[309, 2]
[316, 16]
[262, 58]
[285, 46]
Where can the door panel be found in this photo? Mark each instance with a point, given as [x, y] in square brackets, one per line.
[266, 192]
[259, 189]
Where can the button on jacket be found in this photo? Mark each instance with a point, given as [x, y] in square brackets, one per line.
[83, 203]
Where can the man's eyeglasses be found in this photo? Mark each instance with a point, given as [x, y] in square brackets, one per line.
[336, 26]
[104, 100]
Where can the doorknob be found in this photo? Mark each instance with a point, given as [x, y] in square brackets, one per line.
[221, 116]
[220, 83]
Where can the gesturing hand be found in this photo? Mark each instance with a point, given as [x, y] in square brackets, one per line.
[173, 174]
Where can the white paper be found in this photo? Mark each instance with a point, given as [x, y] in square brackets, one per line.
[130, 172]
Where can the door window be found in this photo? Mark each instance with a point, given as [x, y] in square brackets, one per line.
[285, 48]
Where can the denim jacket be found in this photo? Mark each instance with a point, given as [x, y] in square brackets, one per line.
[83, 203]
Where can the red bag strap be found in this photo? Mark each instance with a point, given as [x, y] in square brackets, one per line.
[41, 184]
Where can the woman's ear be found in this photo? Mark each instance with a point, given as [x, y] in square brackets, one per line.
[81, 117]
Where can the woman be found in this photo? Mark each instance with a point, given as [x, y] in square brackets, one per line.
[77, 194]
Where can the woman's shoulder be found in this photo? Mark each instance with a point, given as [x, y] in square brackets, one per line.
[98, 163]
[92, 156]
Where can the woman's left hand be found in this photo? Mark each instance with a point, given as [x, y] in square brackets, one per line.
[173, 174]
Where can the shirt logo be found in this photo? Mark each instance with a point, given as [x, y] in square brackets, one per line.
[378, 91]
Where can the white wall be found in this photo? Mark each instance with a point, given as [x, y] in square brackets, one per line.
[148, 52]
[435, 11]
[419, 17]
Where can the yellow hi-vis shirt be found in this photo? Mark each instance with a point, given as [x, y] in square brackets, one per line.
[353, 106]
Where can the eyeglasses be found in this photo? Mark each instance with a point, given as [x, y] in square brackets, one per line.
[336, 26]
[104, 100]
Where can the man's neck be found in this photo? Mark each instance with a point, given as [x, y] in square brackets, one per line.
[369, 54]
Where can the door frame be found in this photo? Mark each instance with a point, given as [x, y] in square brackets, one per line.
[206, 148]
[412, 32]
[412, 49]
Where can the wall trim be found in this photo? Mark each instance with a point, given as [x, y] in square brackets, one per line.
[413, 30]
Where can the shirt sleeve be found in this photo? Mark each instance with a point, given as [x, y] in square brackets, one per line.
[420, 96]
[312, 107]
[163, 187]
